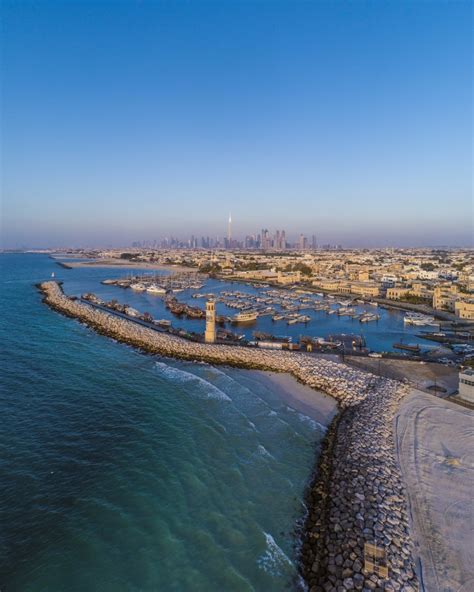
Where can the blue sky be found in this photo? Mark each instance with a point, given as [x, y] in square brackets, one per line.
[134, 120]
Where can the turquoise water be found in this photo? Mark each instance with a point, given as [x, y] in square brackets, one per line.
[126, 472]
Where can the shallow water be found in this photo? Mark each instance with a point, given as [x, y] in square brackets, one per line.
[126, 472]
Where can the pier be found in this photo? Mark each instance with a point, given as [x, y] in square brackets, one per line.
[357, 501]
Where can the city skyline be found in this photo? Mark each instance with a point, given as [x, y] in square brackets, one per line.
[351, 119]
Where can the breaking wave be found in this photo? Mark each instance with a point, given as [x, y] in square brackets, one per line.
[204, 388]
[274, 560]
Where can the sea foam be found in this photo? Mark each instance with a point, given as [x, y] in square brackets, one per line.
[203, 387]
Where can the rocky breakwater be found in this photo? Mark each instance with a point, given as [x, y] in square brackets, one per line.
[357, 496]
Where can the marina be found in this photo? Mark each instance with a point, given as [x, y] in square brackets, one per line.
[242, 309]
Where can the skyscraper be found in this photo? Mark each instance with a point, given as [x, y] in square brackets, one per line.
[229, 232]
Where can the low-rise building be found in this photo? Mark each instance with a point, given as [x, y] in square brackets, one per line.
[464, 309]
[367, 289]
[466, 385]
[397, 293]
[289, 277]
[445, 296]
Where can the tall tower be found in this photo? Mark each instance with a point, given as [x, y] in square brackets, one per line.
[210, 334]
[229, 232]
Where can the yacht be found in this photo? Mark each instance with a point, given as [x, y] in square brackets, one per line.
[153, 289]
[138, 287]
[419, 319]
[245, 317]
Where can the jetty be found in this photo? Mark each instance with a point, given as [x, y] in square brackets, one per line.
[356, 534]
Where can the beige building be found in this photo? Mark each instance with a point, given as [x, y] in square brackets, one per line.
[464, 309]
[290, 277]
[444, 296]
[398, 292]
[367, 289]
[330, 285]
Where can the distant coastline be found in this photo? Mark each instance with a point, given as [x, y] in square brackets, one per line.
[117, 263]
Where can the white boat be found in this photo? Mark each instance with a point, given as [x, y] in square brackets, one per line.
[345, 311]
[245, 317]
[303, 319]
[367, 317]
[419, 319]
[153, 289]
[138, 287]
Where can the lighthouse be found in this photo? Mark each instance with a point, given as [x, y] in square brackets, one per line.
[210, 335]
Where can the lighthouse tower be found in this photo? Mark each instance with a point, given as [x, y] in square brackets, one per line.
[210, 335]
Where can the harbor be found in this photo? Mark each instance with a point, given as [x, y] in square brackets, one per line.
[246, 312]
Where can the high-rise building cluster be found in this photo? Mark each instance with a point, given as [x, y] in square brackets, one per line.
[265, 240]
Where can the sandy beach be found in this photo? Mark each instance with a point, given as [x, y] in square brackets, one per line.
[435, 442]
[311, 402]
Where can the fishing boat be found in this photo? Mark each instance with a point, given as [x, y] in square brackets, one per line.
[407, 347]
[162, 322]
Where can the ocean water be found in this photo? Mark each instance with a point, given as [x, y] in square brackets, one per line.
[126, 472]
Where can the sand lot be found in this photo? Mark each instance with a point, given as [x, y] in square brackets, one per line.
[435, 441]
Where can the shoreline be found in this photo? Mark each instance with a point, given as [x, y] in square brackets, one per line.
[118, 263]
[315, 404]
[356, 494]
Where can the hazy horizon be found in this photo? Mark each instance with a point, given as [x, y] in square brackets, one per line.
[133, 121]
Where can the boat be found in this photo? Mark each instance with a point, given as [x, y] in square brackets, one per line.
[367, 317]
[249, 316]
[419, 319]
[138, 287]
[345, 311]
[292, 321]
[153, 289]
[303, 319]
[278, 317]
[163, 323]
[406, 347]
[52, 274]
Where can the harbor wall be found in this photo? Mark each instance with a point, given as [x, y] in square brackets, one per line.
[357, 495]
